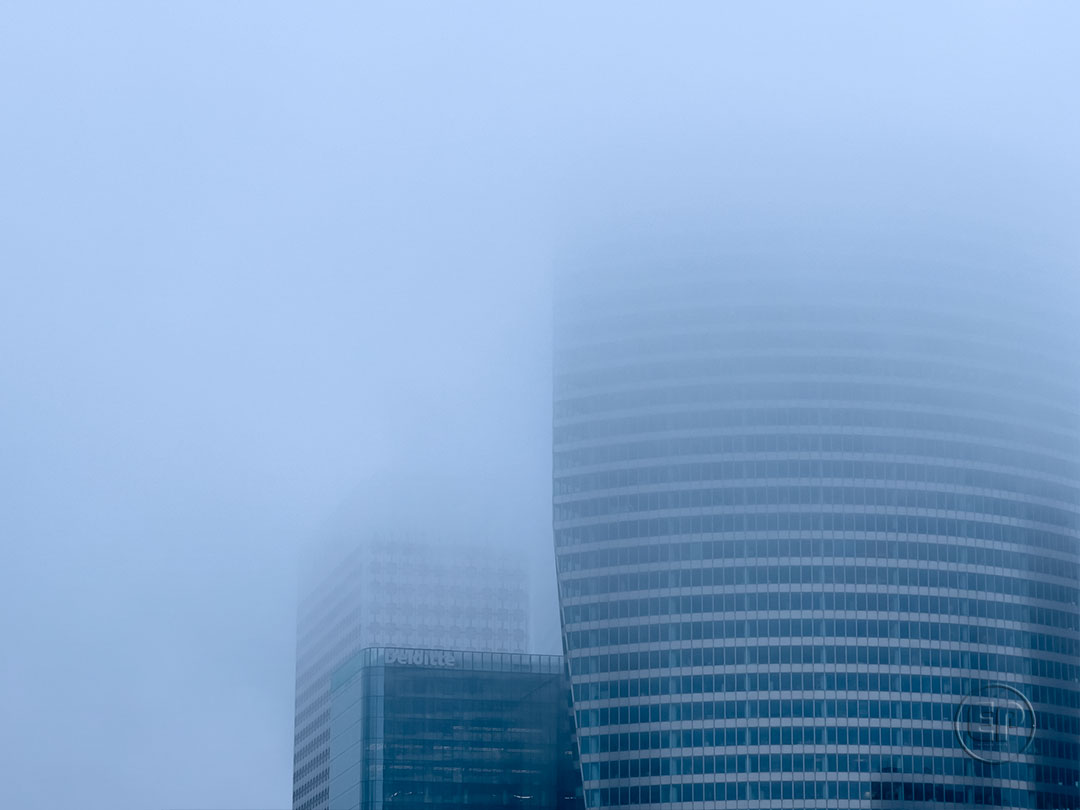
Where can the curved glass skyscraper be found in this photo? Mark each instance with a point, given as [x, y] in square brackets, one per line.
[817, 534]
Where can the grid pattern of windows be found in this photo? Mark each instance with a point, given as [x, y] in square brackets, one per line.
[413, 729]
[394, 590]
[799, 525]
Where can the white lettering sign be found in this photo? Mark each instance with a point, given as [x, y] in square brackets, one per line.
[422, 658]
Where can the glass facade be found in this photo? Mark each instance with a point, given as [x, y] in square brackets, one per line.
[415, 728]
[817, 539]
[404, 590]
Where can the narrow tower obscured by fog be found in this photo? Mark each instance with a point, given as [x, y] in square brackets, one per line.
[395, 589]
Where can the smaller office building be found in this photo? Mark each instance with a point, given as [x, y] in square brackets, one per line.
[418, 728]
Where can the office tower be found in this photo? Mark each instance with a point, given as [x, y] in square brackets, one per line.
[394, 591]
[417, 728]
[816, 528]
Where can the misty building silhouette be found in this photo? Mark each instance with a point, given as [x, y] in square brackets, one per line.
[415, 728]
[400, 592]
[805, 520]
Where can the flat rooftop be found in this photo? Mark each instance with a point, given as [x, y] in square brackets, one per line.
[441, 660]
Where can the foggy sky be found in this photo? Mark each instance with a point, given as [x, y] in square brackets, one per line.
[261, 259]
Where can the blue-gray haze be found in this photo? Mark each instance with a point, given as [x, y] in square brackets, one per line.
[259, 260]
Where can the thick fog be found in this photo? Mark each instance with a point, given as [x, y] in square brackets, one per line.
[265, 265]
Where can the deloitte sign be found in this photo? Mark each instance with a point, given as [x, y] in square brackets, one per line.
[422, 658]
